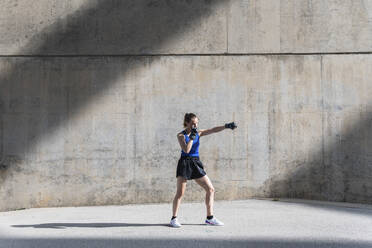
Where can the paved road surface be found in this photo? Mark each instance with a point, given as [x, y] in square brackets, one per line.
[248, 223]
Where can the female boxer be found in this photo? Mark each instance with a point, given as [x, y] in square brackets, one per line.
[190, 167]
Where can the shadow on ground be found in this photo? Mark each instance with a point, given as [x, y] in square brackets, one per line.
[174, 242]
[65, 225]
[350, 208]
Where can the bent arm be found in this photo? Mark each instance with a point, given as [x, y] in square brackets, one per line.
[185, 147]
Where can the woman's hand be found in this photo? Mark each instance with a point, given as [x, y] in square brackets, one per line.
[231, 125]
[193, 133]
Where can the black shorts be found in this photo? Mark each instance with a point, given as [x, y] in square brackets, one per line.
[190, 167]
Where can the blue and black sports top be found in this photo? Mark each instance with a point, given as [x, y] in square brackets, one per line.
[194, 151]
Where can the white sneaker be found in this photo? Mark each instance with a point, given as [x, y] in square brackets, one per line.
[214, 222]
[175, 223]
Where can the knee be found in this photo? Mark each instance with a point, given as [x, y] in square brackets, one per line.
[210, 190]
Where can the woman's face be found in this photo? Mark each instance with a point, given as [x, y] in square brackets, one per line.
[193, 123]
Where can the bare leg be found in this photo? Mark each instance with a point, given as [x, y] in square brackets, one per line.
[181, 186]
[209, 189]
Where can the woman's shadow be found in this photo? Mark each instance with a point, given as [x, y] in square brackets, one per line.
[99, 225]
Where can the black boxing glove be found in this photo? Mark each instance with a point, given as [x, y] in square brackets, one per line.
[231, 125]
[193, 133]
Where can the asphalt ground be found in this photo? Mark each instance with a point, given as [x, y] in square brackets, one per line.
[248, 223]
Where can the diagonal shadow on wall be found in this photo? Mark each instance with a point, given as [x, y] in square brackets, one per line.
[34, 103]
[339, 169]
[39, 94]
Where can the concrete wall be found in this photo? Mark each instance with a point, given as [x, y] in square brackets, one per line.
[94, 92]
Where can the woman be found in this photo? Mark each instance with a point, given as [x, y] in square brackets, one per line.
[190, 167]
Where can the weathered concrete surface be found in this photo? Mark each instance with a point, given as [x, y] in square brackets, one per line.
[347, 127]
[343, 155]
[92, 130]
[87, 131]
[112, 27]
[299, 26]
[248, 223]
[80, 131]
[184, 26]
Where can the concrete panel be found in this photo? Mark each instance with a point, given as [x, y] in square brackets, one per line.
[299, 26]
[104, 131]
[338, 166]
[254, 26]
[347, 127]
[112, 27]
[179, 27]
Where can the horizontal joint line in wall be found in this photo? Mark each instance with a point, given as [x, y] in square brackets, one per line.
[184, 54]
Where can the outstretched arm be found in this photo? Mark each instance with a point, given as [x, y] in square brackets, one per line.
[231, 125]
[204, 132]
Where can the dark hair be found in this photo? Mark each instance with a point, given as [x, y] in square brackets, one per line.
[188, 117]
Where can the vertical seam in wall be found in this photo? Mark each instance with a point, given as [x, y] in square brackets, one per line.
[227, 26]
[135, 137]
[280, 26]
[1, 141]
[322, 92]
